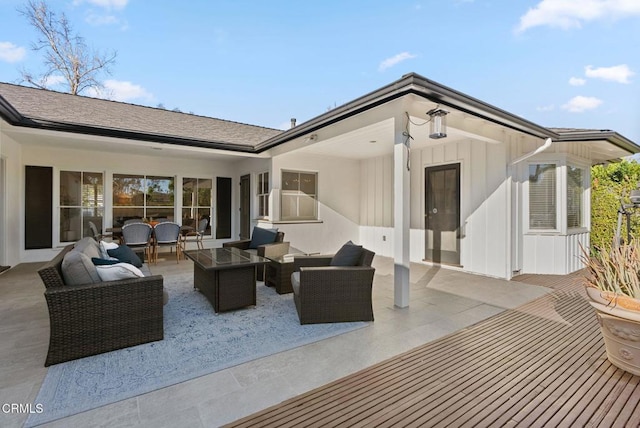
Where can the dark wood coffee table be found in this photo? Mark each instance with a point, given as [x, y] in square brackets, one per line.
[277, 274]
[226, 276]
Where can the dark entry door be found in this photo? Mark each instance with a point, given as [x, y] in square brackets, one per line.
[442, 214]
[245, 206]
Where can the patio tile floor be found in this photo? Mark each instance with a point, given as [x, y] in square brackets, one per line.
[442, 302]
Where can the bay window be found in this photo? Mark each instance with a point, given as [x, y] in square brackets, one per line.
[575, 198]
[549, 183]
[542, 196]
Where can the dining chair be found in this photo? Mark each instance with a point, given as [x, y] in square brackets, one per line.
[138, 235]
[133, 220]
[166, 234]
[94, 231]
[97, 235]
[198, 235]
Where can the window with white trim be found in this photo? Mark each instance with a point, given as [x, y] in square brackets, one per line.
[299, 196]
[196, 202]
[142, 196]
[81, 202]
[263, 194]
[542, 196]
[575, 196]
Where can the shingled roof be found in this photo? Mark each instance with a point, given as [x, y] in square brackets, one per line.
[44, 109]
[47, 109]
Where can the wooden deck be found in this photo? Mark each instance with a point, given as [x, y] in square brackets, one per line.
[540, 365]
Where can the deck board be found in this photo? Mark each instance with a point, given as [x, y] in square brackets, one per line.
[542, 364]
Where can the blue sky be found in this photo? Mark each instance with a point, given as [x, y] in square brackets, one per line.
[562, 63]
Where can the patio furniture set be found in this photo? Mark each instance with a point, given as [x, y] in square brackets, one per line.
[100, 301]
[150, 235]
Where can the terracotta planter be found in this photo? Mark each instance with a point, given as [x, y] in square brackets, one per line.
[620, 326]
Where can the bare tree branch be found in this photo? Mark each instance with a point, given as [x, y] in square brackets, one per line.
[65, 53]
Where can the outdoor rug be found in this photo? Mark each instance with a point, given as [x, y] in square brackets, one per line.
[196, 342]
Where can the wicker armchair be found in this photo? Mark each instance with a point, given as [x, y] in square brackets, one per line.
[324, 293]
[94, 318]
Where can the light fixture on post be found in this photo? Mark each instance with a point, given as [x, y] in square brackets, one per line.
[438, 123]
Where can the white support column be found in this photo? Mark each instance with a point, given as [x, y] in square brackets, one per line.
[401, 213]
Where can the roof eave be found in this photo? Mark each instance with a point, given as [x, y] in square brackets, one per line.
[612, 137]
[411, 84]
[130, 135]
[9, 113]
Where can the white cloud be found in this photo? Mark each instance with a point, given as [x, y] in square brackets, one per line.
[95, 19]
[284, 126]
[394, 60]
[118, 90]
[107, 4]
[53, 81]
[580, 104]
[568, 14]
[11, 53]
[577, 81]
[102, 16]
[617, 73]
[550, 107]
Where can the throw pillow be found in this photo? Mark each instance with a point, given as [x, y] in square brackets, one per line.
[104, 246]
[118, 271]
[348, 255]
[77, 269]
[103, 262]
[88, 246]
[262, 236]
[125, 255]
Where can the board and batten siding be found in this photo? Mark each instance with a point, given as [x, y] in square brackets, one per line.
[553, 254]
[483, 203]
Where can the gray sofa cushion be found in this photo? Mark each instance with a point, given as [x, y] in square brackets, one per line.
[295, 283]
[77, 269]
[145, 270]
[89, 247]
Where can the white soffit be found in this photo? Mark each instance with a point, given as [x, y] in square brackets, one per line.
[377, 139]
[603, 151]
[28, 136]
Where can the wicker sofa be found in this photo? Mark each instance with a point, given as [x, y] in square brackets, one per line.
[93, 318]
[323, 293]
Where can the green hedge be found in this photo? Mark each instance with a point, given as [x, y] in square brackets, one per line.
[609, 185]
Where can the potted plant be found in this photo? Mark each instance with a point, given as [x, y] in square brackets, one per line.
[613, 288]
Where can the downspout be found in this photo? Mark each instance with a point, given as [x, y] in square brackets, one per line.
[540, 149]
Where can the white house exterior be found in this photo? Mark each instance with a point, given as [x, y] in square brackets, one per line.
[497, 196]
